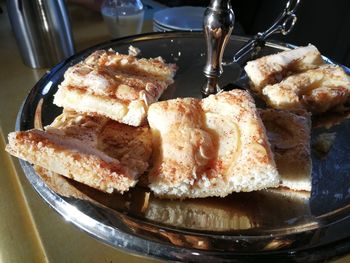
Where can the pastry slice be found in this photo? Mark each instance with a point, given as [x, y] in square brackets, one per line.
[316, 90]
[273, 68]
[209, 147]
[289, 136]
[93, 150]
[117, 86]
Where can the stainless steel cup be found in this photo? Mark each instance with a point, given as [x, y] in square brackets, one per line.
[42, 31]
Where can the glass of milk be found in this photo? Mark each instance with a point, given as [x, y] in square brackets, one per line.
[123, 17]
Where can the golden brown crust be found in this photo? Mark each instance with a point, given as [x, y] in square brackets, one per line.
[35, 147]
[273, 68]
[317, 90]
[114, 85]
[93, 150]
[205, 147]
[153, 67]
[289, 136]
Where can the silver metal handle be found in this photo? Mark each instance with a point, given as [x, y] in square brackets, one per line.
[284, 24]
[42, 31]
[218, 25]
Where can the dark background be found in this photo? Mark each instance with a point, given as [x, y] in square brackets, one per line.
[324, 23]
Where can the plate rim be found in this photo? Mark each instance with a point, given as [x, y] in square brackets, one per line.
[155, 245]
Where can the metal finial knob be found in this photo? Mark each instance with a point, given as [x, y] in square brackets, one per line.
[218, 25]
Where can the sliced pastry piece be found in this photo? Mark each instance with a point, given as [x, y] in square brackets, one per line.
[316, 90]
[93, 150]
[289, 136]
[117, 86]
[209, 147]
[273, 68]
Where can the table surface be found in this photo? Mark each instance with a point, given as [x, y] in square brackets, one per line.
[30, 230]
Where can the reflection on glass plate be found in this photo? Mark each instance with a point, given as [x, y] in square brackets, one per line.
[184, 18]
[272, 223]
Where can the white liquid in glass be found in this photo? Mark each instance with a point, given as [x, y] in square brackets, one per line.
[124, 24]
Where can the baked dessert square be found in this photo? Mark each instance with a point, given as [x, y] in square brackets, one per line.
[289, 137]
[317, 90]
[93, 150]
[272, 69]
[114, 85]
[209, 147]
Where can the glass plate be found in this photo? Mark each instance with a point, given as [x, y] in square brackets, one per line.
[262, 224]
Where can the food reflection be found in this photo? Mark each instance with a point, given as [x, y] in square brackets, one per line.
[260, 210]
[240, 211]
[330, 119]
